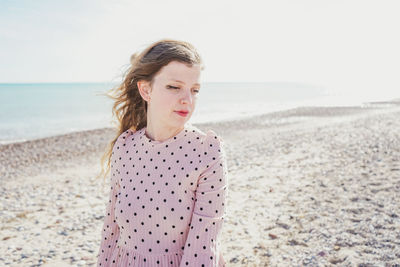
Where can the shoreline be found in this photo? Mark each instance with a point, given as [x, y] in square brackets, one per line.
[285, 112]
[33, 156]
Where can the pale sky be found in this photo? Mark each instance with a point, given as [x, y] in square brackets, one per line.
[337, 44]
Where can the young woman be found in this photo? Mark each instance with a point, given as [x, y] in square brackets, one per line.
[168, 178]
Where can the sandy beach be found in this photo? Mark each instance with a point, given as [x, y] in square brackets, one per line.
[312, 186]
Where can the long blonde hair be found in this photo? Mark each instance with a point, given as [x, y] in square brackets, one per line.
[129, 107]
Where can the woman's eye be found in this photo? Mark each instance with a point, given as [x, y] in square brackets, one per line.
[174, 87]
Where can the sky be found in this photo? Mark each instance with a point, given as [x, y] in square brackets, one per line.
[339, 45]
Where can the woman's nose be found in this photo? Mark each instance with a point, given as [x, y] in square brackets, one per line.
[187, 97]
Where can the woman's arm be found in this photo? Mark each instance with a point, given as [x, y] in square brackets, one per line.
[110, 233]
[202, 247]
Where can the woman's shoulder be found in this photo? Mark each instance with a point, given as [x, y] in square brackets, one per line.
[129, 133]
[208, 138]
[203, 135]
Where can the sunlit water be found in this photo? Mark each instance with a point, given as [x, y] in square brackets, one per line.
[31, 111]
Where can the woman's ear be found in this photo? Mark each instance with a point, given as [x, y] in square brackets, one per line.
[144, 89]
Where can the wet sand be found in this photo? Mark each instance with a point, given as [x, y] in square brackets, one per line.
[312, 186]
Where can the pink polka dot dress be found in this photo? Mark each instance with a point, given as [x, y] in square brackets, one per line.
[167, 201]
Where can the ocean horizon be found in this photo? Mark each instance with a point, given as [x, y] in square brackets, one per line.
[31, 111]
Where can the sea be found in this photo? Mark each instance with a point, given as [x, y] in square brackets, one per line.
[31, 111]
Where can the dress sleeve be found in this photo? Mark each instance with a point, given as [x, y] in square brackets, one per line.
[110, 233]
[202, 247]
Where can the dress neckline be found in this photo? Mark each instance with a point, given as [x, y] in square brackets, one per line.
[174, 138]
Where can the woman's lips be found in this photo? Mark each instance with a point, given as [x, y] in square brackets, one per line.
[183, 114]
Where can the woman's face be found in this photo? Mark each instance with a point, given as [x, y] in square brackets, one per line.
[175, 88]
